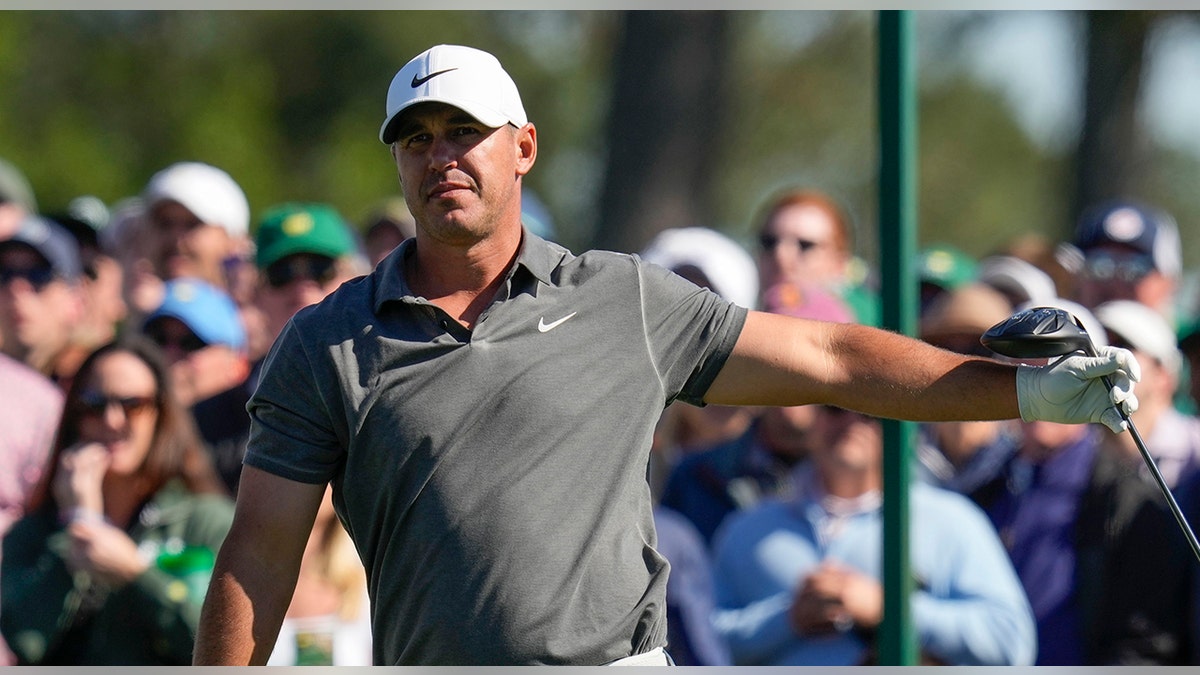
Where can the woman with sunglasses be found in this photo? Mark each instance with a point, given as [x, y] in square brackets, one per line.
[110, 565]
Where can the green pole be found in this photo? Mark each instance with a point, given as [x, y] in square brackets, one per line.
[898, 252]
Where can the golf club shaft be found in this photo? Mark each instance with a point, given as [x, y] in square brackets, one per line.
[1158, 478]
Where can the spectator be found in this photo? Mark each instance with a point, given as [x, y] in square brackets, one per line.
[126, 241]
[200, 331]
[198, 219]
[16, 199]
[691, 638]
[101, 283]
[388, 225]
[964, 456]
[1020, 281]
[798, 579]
[30, 405]
[328, 622]
[1097, 550]
[1131, 251]
[40, 301]
[304, 252]
[710, 260]
[1098, 553]
[110, 565]
[806, 237]
[709, 484]
[942, 268]
[1172, 437]
[198, 224]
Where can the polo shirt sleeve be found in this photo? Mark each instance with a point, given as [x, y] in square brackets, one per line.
[690, 331]
[292, 429]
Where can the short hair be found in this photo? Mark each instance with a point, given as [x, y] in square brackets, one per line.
[794, 196]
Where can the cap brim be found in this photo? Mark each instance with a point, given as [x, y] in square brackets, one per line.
[486, 115]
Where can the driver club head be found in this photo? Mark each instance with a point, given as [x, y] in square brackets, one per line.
[1037, 333]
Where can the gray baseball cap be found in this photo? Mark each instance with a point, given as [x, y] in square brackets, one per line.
[51, 241]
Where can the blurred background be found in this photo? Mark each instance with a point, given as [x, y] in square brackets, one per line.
[646, 119]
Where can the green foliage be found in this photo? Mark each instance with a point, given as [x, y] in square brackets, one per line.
[983, 180]
[290, 103]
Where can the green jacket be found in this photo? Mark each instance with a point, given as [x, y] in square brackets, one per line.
[50, 616]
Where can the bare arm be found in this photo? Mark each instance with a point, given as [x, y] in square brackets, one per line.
[255, 572]
[781, 360]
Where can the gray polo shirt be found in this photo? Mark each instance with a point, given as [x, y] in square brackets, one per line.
[494, 479]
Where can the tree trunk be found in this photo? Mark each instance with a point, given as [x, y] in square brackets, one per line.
[1113, 148]
[663, 126]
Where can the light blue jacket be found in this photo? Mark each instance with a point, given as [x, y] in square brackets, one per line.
[969, 609]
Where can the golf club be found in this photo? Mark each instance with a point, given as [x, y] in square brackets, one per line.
[1044, 332]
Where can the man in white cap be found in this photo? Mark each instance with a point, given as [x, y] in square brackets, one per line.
[1172, 437]
[199, 220]
[484, 405]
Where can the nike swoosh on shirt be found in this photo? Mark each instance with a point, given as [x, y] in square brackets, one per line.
[543, 326]
[418, 81]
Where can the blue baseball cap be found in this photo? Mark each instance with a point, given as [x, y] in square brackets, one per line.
[205, 309]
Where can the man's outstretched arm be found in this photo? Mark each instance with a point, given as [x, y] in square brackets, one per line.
[256, 570]
[781, 360]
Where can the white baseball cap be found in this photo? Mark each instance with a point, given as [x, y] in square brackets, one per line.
[728, 266]
[464, 77]
[208, 192]
[1144, 328]
[1018, 278]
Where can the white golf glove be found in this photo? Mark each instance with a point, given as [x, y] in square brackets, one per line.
[1070, 390]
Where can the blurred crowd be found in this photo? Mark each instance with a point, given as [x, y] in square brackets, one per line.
[132, 333]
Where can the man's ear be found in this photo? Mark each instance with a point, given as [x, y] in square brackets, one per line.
[526, 148]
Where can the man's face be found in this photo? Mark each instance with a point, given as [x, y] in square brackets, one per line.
[198, 369]
[295, 282]
[788, 431]
[1117, 272]
[184, 246]
[799, 244]
[460, 177]
[850, 440]
[38, 310]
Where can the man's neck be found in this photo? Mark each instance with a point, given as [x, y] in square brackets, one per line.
[462, 281]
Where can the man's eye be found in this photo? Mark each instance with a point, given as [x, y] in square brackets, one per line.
[460, 132]
[414, 139]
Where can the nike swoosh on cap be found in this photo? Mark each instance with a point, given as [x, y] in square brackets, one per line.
[418, 81]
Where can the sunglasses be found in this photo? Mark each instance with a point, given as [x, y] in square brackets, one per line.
[187, 343]
[94, 403]
[770, 242]
[1128, 269]
[37, 277]
[318, 268]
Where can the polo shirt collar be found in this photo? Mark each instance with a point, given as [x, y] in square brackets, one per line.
[538, 256]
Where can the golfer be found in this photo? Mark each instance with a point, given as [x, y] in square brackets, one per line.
[483, 404]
